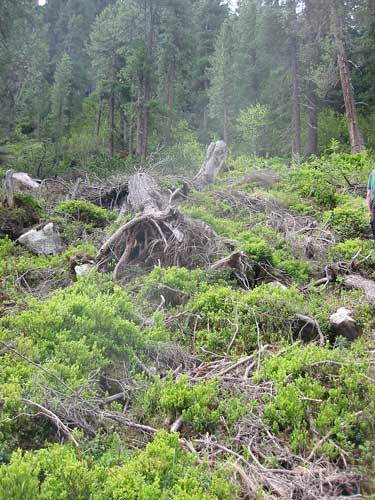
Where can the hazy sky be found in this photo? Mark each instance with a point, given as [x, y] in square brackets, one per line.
[232, 2]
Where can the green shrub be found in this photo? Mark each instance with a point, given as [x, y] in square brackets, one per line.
[19, 479]
[85, 211]
[329, 385]
[256, 248]
[348, 249]
[162, 470]
[298, 269]
[201, 404]
[266, 307]
[347, 222]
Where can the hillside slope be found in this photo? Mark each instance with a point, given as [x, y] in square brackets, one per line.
[268, 400]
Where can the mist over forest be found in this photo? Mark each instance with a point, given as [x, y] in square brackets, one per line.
[187, 259]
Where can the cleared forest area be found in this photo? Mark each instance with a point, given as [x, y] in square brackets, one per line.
[187, 269]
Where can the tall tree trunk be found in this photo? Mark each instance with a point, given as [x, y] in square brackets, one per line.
[296, 96]
[313, 41]
[312, 125]
[355, 135]
[139, 124]
[171, 80]
[130, 129]
[123, 130]
[225, 123]
[146, 115]
[98, 119]
[37, 126]
[111, 121]
[372, 5]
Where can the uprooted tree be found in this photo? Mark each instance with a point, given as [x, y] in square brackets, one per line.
[159, 233]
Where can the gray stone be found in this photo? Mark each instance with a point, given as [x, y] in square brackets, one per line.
[45, 241]
[344, 325]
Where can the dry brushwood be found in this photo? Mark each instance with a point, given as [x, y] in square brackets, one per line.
[159, 234]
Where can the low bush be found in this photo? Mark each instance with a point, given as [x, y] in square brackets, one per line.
[323, 391]
[85, 211]
[162, 470]
[347, 250]
[201, 404]
[265, 311]
[348, 223]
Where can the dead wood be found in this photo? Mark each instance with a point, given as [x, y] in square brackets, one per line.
[216, 155]
[360, 283]
[159, 234]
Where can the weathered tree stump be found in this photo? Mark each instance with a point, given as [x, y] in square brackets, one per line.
[216, 155]
[158, 234]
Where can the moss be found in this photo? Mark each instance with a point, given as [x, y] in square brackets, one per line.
[27, 211]
[85, 211]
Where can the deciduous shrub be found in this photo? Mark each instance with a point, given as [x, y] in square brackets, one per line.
[266, 310]
[327, 388]
[85, 211]
[347, 222]
[162, 470]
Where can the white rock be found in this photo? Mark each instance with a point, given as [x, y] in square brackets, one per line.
[45, 241]
[343, 324]
[22, 182]
[84, 269]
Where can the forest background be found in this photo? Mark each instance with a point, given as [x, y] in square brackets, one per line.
[101, 85]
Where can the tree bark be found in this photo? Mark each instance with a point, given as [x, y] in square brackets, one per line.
[139, 124]
[98, 119]
[355, 135]
[312, 125]
[216, 155]
[296, 97]
[111, 120]
[130, 130]
[123, 130]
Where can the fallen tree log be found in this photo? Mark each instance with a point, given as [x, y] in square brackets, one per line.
[360, 283]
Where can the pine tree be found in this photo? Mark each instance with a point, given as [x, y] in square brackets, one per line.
[61, 101]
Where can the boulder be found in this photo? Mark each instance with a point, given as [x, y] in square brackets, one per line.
[344, 325]
[45, 241]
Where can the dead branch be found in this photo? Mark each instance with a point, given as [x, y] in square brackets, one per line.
[53, 418]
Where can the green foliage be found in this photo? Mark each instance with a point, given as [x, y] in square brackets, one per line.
[348, 222]
[162, 470]
[298, 269]
[256, 248]
[85, 211]
[332, 386]
[266, 307]
[18, 480]
[350, 248]
[252, 127]
[321, 178]
[201, 404]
